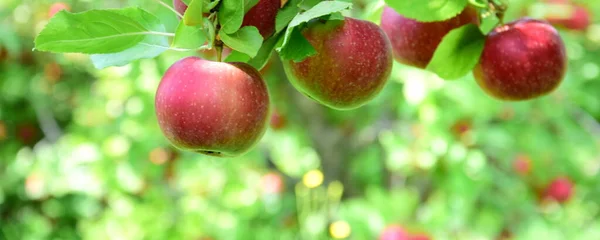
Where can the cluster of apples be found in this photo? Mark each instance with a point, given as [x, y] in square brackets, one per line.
[221, 109]
[521, 60]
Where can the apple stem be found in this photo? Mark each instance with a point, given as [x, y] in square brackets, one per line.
[219, 46]
[498, 7]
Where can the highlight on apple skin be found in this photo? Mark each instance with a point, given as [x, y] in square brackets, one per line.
[352, 64]
[214, 108]
[521, 60]
[414, 42]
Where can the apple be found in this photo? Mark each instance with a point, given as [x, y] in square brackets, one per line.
[352, 64]
[272, 183]
[521, 60]
[394, 232]
[57, 7]
[180, 6]
[578, 18]
[415, 42]
[28, 133]
[262, 16]
[522, 165]
[560, 189]
[278, 121]
[214, 108]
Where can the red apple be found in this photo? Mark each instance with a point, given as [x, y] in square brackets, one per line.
[577, 19]
[415, 42]
[560, 189]
[522, 165]
[272, 183]
[278, 121]
[394, 232]
[28, 133]
[214, 108]
[57, 7]
[352, 64]
[262, 16]
[179, 6]
[521, 60]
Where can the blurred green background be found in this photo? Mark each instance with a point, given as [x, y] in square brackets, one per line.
[82, 157]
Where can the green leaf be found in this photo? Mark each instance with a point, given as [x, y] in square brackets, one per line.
[246, 40]
[428, 11]
[193, 14]
[249, 4]
[231, 15]
[150, 46]
[266, 51]
[301, 48]
[236, 56]
[188, 37]
[286, 14]
[458, 53]
[308, 4]
[94, 31]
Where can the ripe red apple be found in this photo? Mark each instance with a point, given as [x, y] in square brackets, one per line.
[394, 232]
[278, 121]
[577, 19]
[214, 108]
[262, 16]
[352, 64]
[560, 189]
[272, 183]
[179, 6]
[414, 42]
[521, 60]
[57, 7]
[522, 165]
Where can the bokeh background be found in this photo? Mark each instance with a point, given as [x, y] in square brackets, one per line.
[82, 157]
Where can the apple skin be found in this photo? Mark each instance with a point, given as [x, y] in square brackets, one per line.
[579, 19]
[560, 189]
[57, 7]
[394, 232]
[414, 42]
[352, 64]
[179, 6]
[214, 108]
[262, 16]
[521, 60]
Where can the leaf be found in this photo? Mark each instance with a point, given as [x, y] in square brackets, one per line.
[193, 14]
[458, 53]
[236, 56]
[246, 40]
[308, 4]
[249, 4]
[286, 14]
[187, 37]
[266, 51]
[301, 48]
[94, 31]
[231, 15]
[428, 11]
[150, 47]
